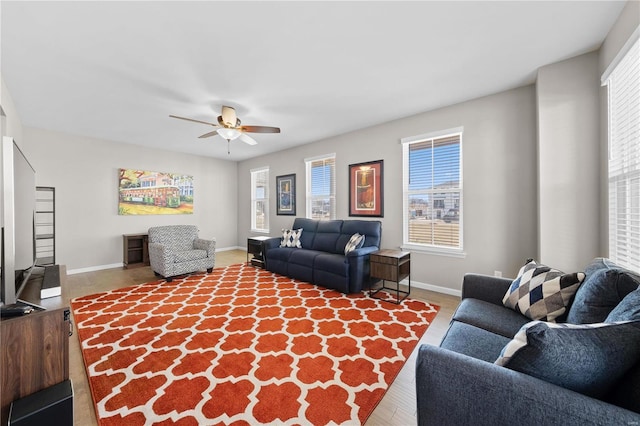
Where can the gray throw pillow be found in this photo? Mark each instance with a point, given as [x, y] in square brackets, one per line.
[586, 358]
[601, 291]
[628, 309]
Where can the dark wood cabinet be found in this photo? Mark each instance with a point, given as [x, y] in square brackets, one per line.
[255, 248]
[35, 354]
[135, 250]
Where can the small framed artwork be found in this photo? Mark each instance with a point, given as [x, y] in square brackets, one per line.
[366, 196]
[286, 189]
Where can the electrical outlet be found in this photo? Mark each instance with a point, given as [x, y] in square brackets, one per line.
[497, 273]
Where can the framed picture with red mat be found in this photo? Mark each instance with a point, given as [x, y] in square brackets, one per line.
[366, 194]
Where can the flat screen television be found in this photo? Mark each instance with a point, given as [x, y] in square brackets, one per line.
[18, 220]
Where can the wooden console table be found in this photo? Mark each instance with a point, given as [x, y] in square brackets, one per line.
[391, 265]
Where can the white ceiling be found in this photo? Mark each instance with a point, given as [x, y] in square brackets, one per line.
[116, 70]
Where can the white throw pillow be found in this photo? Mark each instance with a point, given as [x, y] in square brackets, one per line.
[355, 242]
[291, 238]
[542, 293]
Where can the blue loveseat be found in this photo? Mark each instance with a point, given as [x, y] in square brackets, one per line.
[321, 259]
[458, 383]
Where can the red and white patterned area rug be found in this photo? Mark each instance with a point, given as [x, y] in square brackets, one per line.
[242, 346]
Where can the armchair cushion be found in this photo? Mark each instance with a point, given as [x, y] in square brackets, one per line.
[586, 358]
[473, 341]
[490, 317]
[187, 255]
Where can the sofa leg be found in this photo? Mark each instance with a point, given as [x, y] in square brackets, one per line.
[209, 270]
[168, 279]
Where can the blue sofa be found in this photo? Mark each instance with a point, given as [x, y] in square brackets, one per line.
[321, 260]
[458, 383]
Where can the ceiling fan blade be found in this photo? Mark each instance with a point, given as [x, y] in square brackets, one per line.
[247, 139]
[260, 129]
[208, 135]
[191, 119]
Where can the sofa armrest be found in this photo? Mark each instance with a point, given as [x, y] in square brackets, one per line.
[208, 245]
[362, 251]
[455, 389]
[485, 287]
[271, 243]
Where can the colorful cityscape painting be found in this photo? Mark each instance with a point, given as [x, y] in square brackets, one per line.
[145, 192]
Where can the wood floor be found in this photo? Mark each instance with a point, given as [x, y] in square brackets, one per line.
[398, 407]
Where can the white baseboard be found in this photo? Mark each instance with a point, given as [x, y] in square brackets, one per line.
[231, 248]
[94, 268]
[436, 288]
[120, 265]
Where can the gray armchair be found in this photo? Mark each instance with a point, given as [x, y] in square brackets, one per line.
[176, 250]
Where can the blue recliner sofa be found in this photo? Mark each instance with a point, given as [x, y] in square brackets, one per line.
[321, 260]
[458, 382]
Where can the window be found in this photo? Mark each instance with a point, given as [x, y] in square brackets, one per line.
[624, 159]
[432, 191]
[260, 199]
[321, 187]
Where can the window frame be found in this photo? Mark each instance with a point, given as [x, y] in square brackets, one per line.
[623, 164]
[309, 198]
[254, 199]
[406, 193]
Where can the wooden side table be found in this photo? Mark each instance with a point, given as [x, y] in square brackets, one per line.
[255, 248]
[391, 265]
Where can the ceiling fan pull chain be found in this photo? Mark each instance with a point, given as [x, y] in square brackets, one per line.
[228, 147]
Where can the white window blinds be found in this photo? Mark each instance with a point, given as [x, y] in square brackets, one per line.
[321, 187]
[433, 192]
[624, 160]
[260, 200]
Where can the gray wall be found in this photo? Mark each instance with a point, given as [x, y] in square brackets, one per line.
[11, 124]
[625, 25]
[499, 174]
[568, 94]
[84, 172]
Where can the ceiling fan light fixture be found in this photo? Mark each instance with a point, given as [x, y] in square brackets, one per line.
[229, 134]
[229, 115]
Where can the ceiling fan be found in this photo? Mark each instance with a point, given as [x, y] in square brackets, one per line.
[230, 128]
